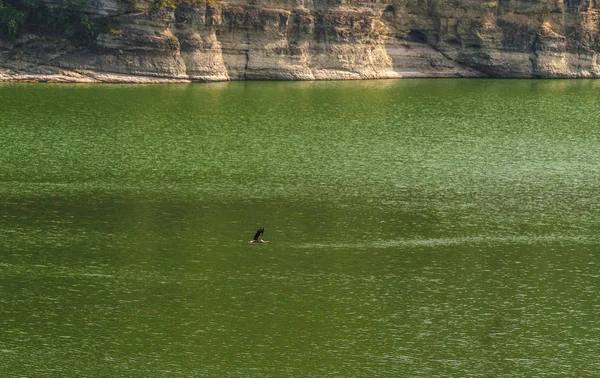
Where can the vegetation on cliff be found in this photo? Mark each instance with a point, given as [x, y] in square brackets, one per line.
[20, 16]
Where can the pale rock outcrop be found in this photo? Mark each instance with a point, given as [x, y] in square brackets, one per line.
[318, 40]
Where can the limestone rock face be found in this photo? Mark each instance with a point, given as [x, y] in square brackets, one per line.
[317, 40]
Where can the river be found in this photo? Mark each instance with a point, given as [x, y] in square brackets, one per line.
[423, 228]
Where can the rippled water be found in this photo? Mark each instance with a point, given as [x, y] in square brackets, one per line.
[426, 228]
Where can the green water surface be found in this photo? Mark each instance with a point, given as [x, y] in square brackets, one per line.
[420, 228]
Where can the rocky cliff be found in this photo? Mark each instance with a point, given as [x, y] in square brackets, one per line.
[212, 40]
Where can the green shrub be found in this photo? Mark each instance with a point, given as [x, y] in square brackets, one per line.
[17, 16]
[116, 32]
[11, 20]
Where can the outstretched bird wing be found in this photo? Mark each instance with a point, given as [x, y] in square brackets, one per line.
[259, 232]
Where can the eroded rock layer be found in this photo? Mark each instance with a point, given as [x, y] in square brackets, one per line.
[316, 40]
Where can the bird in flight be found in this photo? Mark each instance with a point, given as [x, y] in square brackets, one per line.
[257, 237]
